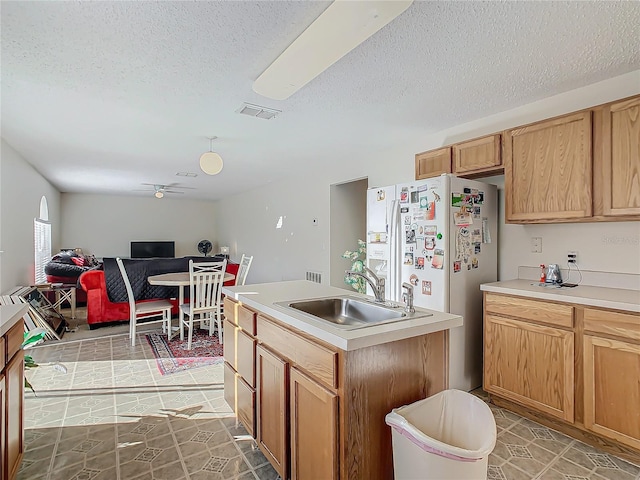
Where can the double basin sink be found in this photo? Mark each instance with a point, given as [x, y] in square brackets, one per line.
[349, 312]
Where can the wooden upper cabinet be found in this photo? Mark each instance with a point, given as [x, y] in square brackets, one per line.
[433, 163]
[617, 158]
[548, 170]
[482, 155]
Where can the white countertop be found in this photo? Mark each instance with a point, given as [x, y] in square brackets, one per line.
[9, 316]
[262, 297]
[614, 298]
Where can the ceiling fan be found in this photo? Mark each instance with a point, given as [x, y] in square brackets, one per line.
[160, 190]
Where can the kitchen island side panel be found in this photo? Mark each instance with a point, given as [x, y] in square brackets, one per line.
[376, 380]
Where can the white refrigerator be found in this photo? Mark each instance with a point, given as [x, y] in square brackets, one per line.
[439, 235]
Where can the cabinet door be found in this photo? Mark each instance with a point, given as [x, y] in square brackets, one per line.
[530, 364]
[433, 163]
[479, 155]
[611, 389]
[14, 385]
[548, 170]
[272, 409]
[314, 429]
[3, 395]
[621, 158]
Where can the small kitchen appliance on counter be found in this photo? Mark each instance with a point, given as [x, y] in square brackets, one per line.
[553, 274]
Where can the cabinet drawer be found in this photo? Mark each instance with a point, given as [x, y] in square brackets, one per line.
[535, 310]
[246, 320]
[230, 309]
[316, 360]
[612, 323]
[229, 334]
[230, 387]
[14, 338]
[246, 398]
[246, 357]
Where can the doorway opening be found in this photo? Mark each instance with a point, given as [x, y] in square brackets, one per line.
[348, 205]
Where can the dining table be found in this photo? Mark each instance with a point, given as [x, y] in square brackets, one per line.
[180, 280]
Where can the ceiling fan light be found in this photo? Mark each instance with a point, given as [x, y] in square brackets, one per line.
[211, 163]
[158, 194]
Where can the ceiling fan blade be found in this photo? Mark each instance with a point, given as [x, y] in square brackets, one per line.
[172, 191]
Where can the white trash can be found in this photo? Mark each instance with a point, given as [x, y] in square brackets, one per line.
[447, 436]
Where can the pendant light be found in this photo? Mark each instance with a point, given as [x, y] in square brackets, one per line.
[211, 162]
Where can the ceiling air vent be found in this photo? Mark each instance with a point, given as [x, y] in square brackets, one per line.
[258, 111]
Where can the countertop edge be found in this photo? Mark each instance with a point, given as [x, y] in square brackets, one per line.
[512, 288]
[10, 315]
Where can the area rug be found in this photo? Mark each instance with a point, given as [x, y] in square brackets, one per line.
[173, 356]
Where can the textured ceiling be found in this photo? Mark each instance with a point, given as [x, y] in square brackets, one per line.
[103, 96]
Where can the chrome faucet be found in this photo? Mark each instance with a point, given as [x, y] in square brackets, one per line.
[407, 298]
[376, 283]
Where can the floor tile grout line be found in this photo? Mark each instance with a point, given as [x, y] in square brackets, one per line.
[552, 462]
[115, 411]
[64, 416]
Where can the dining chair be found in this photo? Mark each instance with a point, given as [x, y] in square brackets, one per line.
[145, 310]
[243, 270]
[205, 291]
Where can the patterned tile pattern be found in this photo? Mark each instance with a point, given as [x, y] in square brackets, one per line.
[112, 416]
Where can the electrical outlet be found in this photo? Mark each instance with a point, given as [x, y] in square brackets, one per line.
[536, 244]
[572, 257]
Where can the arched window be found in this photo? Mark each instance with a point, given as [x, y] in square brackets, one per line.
[42, 241]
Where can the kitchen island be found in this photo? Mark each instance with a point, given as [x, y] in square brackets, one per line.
[314, 395]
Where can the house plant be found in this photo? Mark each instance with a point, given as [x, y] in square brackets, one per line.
[357, 258]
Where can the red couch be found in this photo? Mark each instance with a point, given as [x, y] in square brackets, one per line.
[101, 310]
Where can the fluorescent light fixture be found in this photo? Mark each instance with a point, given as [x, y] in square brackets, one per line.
[343, 26]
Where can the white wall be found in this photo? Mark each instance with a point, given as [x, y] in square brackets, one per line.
[22, 187]
[247, 221]
[348, 225]
[104, 225]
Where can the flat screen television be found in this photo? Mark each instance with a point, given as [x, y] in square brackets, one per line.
[153, 249]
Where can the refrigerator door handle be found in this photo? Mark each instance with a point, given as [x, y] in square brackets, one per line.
[394, 257]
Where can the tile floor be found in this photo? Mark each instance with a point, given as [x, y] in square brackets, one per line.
[112, 416]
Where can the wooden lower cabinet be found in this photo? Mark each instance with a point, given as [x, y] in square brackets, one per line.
[14, 428]
[246, 398]
[574, 368]
[12, 402]
[272, 407]
[3, 400]
[314, 429]
[239, 371]
[531, 364]
[612, 389]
